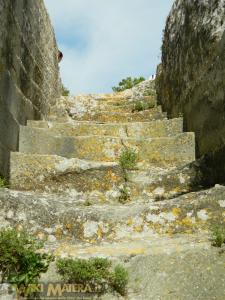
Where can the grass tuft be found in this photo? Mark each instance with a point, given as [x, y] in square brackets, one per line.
[93, 271]
[218, 235]
[3, 182]
[128, 159]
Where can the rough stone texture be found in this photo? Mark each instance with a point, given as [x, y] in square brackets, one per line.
[165, 246]
[29, 75]
[89, 106]
[89, 208]
[58, 174]
[188, 272]
[141, 90]
[108, 116]
[51, 173]
[191, 77]
[75, 205]
[88, 153]
[185, 267]
[176, 150]
[164, 183]
[6, 292]
[69, 219]
[157, 128]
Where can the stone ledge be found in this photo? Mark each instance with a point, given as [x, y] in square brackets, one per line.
[61, 217]
[53, 173]
[176, 150]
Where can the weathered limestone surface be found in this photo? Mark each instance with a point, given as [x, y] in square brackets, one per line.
[162, 263]
[29, 75]
[164, 150]
[151, 129]
[68, 188]
[68, 218]
[57, 174]
[89, 152]
[191, 77]
[6, 292]
[160, 269]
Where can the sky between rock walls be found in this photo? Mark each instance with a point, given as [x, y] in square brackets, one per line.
[104, 41]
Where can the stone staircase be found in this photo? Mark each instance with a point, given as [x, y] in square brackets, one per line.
[83, 154]
[67, 186]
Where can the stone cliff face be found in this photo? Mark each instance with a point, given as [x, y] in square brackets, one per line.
[191, 78]
[29, 74]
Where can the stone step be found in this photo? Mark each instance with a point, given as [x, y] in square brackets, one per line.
[55, 174]
[176, 150]
[126, 108]
[161, 183]
[158, 267]
[146, 245]
[116, 101]
[108, 116]
[158, 128]
[57, 217]
[97, 182]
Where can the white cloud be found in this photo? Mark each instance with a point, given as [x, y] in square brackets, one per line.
[104, 41]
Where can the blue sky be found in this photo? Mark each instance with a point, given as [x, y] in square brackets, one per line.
[104, 41]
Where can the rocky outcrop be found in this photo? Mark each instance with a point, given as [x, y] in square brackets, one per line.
[191, 77]
[29, 75]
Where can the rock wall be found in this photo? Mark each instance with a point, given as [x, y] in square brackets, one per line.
[191, 77]
[29, 74]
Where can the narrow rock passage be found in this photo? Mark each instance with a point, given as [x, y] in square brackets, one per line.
[68, 186]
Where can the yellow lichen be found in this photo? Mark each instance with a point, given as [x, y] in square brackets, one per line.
[99, 233]
[176, 211]
[58, 233]
[138, 228]
[130, 222]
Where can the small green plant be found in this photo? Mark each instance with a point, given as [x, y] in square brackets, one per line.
[118, 104]
[20, 262]
[127, 83]
[124, 195]
[93, 271]
[87, 203]
[65, 91]
[120, 280]
[3, 182]
[141, 105]
[218, 235]
[128, 159]
[150, 93]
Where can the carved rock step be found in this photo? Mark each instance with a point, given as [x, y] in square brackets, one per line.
[51, 173]
[60, 218]
[161, 183]
[156, 263]
[100, 182]
[118, 101]
[108, 116]
[165, 150]
[126, 108]
[159, 128]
